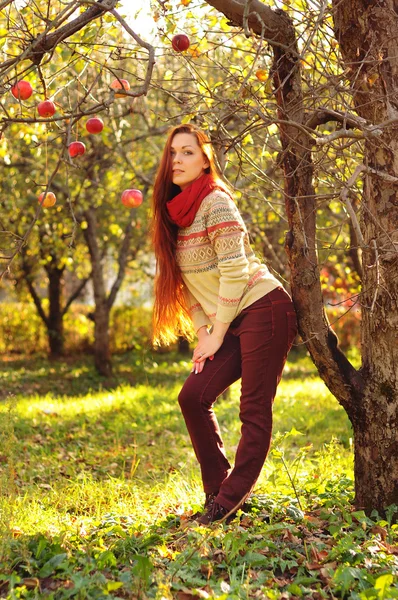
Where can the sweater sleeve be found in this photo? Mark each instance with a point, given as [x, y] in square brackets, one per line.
[198, 316]
[226, 232]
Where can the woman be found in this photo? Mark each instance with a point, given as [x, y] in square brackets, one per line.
[208, 277]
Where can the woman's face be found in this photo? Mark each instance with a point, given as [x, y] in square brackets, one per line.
[188, 160]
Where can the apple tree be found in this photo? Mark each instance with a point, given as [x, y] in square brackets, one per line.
[81, 81]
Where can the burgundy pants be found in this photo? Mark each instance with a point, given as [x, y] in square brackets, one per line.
[255, 349]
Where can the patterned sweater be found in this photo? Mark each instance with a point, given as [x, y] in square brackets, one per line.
[221, 274]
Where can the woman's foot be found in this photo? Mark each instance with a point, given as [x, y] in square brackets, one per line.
[209, 500]
[215, 512]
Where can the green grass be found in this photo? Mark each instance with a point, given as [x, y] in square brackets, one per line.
[98, 477]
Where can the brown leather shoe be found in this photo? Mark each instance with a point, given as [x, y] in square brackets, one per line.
[215, 512]
[209, 500]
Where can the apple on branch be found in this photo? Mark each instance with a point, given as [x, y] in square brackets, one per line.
[76, 149]
[120, 84]
[46, 109]
[180, 42]
[47, 199]
[132, 198]
[94, 125]
[22, 90]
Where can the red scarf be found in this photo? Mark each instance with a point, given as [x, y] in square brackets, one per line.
[183, 207]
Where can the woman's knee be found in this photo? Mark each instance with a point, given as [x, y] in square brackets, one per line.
[192, 398]
[188, 399]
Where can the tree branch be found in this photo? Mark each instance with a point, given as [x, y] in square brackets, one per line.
[347, 201]
[36, 298]
[321, 116]
[44, 43]
[260, 16]
[143, 90]
[122, 261]
[75, 294]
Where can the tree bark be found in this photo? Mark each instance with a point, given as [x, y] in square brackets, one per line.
[54, 319]
[366, 31]
[55, 324]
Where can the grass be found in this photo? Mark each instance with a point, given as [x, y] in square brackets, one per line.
[98, 479]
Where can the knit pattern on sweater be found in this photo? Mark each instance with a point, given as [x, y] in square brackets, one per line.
[221, 273]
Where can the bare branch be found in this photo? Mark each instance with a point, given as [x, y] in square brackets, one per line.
[44, 43]
[23, 240]
[342, 133]
[5, 3]
[151, 58]
[322, 116]
[376, 264]
[347, 202]
[76, 293]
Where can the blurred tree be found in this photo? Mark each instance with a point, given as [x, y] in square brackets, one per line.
[78, 80]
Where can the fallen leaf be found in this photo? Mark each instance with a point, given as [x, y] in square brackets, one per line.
[315, 566]
[31, 582]
[391, 549]
[381, 531]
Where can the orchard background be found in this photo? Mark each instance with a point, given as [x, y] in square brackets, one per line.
[300, 100]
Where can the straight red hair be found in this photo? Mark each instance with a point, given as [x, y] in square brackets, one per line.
[170, 312]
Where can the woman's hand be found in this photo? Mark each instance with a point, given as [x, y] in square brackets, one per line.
[208, 344]
[202, 334]
[207, 347]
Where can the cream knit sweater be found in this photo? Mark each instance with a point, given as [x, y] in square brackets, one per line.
[221, 273]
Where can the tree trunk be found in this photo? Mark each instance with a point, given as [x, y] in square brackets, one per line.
[55, 325]
[366, 31]
[102, 353]
[183, 346]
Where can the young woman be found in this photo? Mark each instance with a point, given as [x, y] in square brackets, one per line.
[208, 278]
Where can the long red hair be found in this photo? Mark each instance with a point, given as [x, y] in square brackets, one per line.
[170, 313]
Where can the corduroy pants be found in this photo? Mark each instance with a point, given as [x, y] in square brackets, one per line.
[255, 349]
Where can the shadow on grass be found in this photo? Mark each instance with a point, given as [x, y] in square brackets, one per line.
[77, 376]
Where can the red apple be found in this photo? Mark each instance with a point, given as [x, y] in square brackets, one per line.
[22, 90]
[180, 42]
[76, 149]
[47, 199]
[46, 109]
[121, 84]
[132, 198]
[95, 125]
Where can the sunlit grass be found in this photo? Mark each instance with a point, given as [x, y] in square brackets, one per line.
[125, 450]
[98, 476]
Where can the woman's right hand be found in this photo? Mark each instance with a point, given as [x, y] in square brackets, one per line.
[197, 367]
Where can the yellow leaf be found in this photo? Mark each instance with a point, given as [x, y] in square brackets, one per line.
[372, 78]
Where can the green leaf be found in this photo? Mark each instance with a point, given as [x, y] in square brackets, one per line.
[111, 586]
[383, 584]
[51, 565]
[294, 589]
